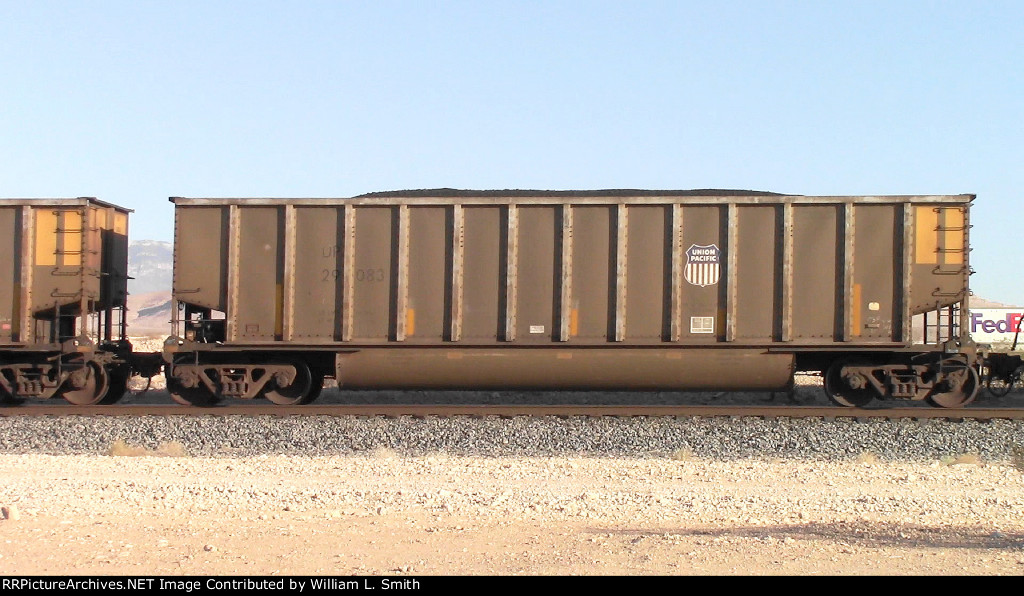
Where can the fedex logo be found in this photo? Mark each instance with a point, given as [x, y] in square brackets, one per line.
[1009, 324]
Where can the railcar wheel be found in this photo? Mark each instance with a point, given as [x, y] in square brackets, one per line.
[198, 396]
[318, 386]
[303, 388]
[86, 386]
[118, 386]
[960, 394]
[999, 385]
[839, 389]
[6, 399]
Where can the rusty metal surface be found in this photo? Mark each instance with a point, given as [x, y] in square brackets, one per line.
[485, 270]
[457, 273]
[60, 258]
[499, 368]
[836, 273]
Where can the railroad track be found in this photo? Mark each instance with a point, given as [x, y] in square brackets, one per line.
[472, 410]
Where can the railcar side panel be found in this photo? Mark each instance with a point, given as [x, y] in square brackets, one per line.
[615, 368]
[647, 296]
[113, 258]
[61, 240]
[592, 297]
[703, 298]
[429, 274]
[10, 287]
[483, 296]
[201, 256]
[374, 290]
[63, 288]
[260, 275]
[317, 277]
[544, 289]
[939, 273]
[433, 270]
[61, 259]
[758, 288]
[534, 318]
[876, 298]
[817, 315]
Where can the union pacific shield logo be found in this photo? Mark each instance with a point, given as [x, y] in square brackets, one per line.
[703, 264]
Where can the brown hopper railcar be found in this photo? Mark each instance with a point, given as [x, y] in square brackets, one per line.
[616, 289]
[63, 285]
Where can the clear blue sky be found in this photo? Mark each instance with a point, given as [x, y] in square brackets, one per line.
[136, 101]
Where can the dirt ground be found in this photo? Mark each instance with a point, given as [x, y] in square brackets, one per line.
[383, 514]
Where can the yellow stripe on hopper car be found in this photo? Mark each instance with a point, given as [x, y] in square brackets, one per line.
[72, 236]
[926, 236]
[46, 237]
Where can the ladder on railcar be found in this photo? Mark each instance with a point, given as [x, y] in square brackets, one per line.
[942, 325]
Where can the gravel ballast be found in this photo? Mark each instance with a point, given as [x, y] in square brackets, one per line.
[715, 438]
[347, 495]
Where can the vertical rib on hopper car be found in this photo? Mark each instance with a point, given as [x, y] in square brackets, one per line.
[624, 289]
[63, 285]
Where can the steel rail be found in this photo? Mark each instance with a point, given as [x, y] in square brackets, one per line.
[509, 411]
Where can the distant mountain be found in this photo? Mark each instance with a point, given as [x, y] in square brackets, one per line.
[978, 302]
[149, 314]
[150, 263]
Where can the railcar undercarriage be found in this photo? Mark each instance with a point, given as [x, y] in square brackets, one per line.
[854, 381]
